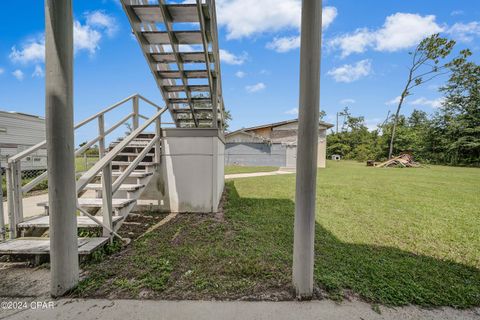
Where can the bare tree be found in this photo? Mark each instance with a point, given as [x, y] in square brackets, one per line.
[427, 64]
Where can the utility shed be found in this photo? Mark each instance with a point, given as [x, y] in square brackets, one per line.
[19, 131]
[272, 144]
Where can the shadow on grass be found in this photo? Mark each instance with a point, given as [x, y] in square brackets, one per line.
[248, 255]
[378, 274]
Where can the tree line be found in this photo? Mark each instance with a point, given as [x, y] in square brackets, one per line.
[451, 135]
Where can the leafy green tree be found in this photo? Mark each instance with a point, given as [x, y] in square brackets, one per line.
[456, 127]
[427, 64]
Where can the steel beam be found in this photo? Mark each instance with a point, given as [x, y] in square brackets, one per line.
[305, 195]
[60, 145]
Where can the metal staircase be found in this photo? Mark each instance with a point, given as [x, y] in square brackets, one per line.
[180, 44]
[107, 192]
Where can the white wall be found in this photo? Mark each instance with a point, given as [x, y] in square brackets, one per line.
[18, 129]
[190, 177]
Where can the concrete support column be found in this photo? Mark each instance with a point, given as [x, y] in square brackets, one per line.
[60, 145]
[304, 230]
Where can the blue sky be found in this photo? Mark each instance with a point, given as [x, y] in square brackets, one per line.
[364, 59]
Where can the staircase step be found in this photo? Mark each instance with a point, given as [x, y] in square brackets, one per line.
[123, 187]
[127, 163]
[41, 246]
[134, 174]
[96, 203]
[134, 154]
[139, 143]
[82, 222]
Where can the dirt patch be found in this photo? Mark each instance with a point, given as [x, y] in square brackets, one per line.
[23, 280]
[194, 257]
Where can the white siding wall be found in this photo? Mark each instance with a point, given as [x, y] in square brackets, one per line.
[17, 133]
[20, 129]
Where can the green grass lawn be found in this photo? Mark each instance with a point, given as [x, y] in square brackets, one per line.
[391, 236]
[243, 169]
[82, 164]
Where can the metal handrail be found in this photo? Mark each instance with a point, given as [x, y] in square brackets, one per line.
[15, 190]
[42, 144]
[88, 176]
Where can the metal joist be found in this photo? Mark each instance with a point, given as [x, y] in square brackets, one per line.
[136, 22]
[180, 44]
[168, 22]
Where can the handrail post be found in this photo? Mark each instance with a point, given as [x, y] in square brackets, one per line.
[11, 210]
[107, 206]
[101, 134]
[135, 112]
[2, 217]
[17, 193]
[214, 99]
[158, 135]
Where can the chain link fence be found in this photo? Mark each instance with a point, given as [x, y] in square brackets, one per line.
[34, 166]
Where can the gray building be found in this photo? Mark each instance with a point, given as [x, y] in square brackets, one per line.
[18, 132]
[272, 144]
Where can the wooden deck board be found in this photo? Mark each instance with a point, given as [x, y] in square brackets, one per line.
[123, 187]
[96, 203]
[41, 246]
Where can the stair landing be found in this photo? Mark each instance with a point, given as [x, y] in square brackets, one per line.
[41, 246]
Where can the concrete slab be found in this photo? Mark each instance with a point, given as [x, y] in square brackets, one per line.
[257, 174]
[208, 310]
[30, 206]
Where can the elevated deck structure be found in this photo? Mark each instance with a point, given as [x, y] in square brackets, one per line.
[180, 44]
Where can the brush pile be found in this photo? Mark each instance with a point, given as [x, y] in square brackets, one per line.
[404, 160]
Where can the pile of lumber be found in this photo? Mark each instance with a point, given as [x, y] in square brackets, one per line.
[404, 160]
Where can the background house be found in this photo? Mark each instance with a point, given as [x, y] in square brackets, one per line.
[272, 144]
[18, 132]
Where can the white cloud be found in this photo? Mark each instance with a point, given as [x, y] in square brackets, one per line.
[2, 71]
[400, 31]
[393, 102]
[351, 72]
[240, 74]
[86, 37]
[347, 101]
[38, 72]
[465, 32]
[256, 87]
[245, 18]
[457, 13]
[434, 103]
[284, 44]
[404, 30]
[356, 42]
[230, 58]
[103, 21]
[328, 16]
[293, 111]
[18, 74]
[32, 51]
